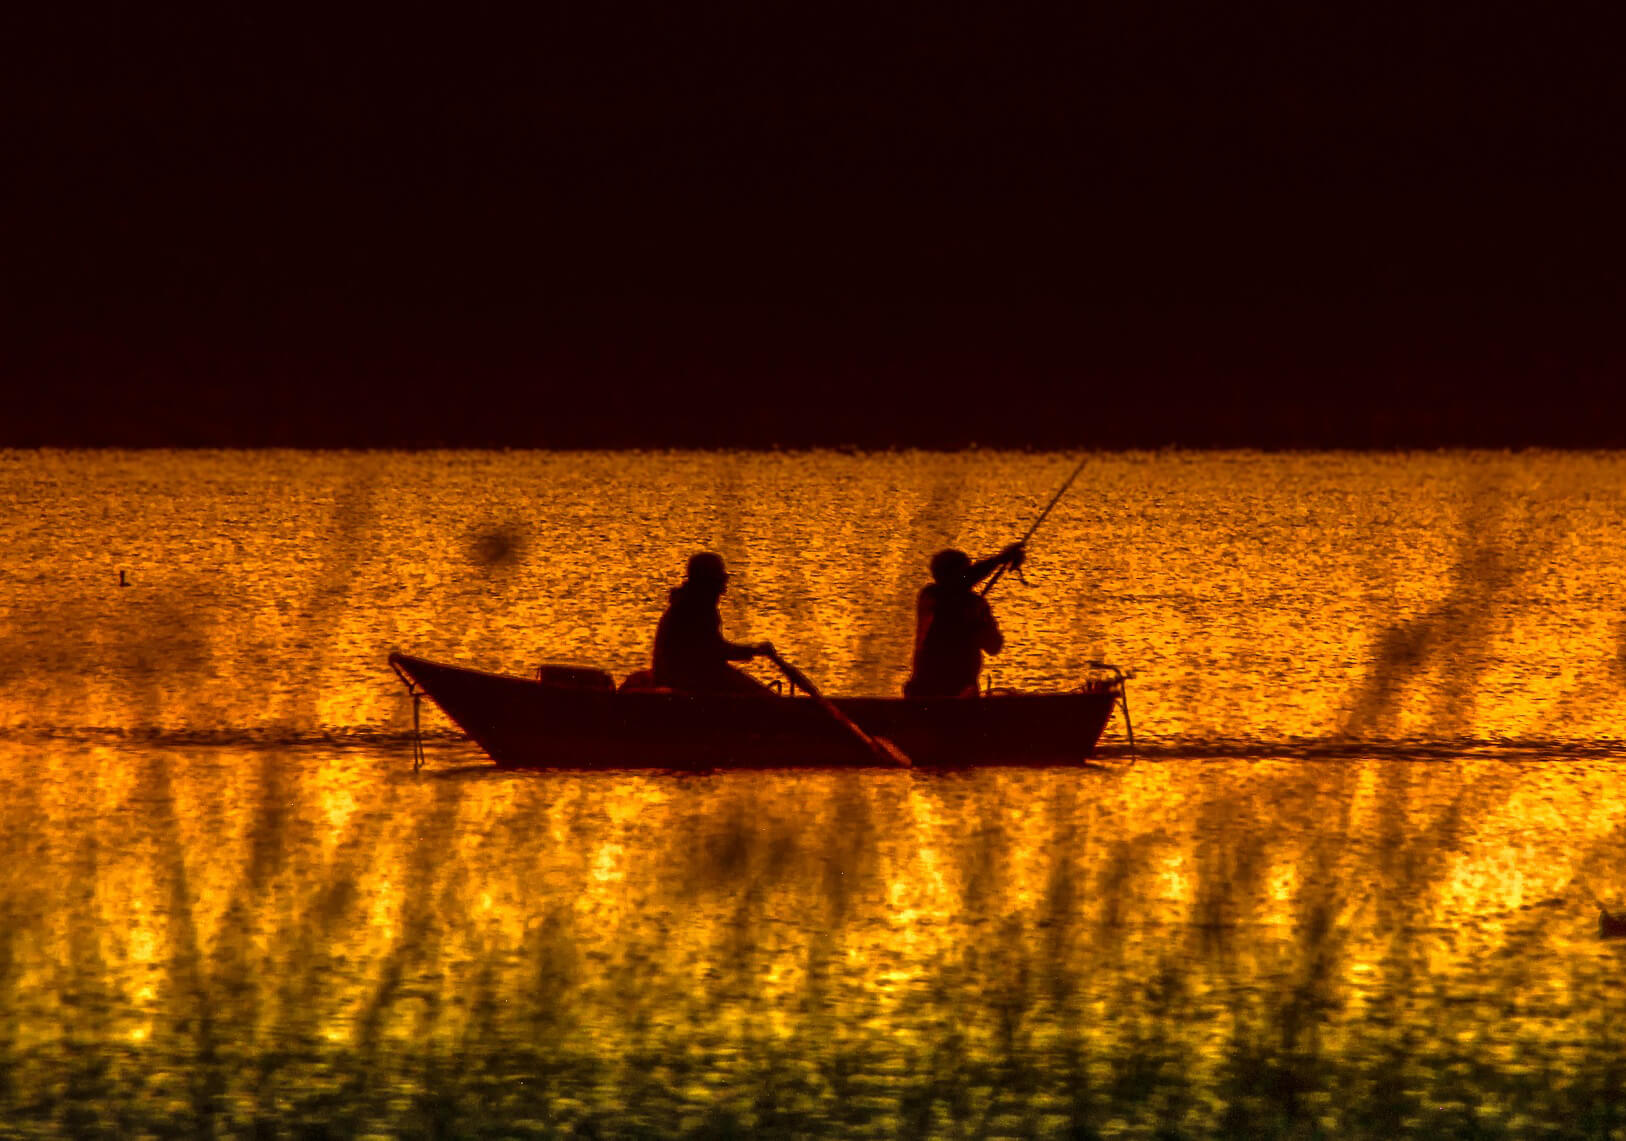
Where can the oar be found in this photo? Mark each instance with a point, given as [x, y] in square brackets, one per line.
[1054, 499]
[884, 750]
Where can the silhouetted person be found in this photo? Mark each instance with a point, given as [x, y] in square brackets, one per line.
[691, 654]
[954, 626]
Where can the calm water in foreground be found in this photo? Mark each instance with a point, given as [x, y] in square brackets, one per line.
[1347, 889]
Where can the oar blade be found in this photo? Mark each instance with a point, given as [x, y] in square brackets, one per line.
[891, 752]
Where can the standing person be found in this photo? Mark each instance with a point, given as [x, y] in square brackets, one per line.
[691, 654]
[954, 625]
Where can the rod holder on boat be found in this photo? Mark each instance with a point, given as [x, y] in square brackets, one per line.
[417, 705]
[1120, 681]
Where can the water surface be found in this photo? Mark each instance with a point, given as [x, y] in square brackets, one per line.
[1348, 887]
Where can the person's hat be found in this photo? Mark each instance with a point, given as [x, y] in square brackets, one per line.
[707, 568]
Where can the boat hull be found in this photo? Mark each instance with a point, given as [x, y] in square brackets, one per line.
[520, 722]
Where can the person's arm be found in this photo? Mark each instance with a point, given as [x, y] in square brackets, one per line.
[925, 610]
[745, 651]
[993, 639]
[733, 651]
[1012, 554]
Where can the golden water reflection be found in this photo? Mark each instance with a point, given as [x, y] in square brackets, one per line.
[221, 937]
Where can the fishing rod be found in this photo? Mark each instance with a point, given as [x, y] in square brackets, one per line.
[1054, 499]
[1120, 678]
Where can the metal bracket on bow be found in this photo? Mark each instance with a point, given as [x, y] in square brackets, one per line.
[1121, 682]
[417, 705]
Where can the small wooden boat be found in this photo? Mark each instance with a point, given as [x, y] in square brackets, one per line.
[572, 718]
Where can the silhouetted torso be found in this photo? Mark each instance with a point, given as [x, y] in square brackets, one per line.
[691, 653]
[954, 627]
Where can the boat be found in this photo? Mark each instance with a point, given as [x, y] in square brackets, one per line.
[568, 717]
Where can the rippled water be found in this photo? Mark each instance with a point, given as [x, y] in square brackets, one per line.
[1349, 886]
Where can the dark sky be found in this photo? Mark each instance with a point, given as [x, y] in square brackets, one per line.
[607, 223]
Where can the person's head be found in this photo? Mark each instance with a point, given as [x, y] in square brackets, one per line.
[707, 572]
[949, 567]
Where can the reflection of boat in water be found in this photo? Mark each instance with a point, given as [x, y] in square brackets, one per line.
[575, 718]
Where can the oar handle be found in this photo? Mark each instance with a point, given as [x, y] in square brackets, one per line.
[795, 676]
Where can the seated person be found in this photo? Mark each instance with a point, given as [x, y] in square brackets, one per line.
[691, 654]
[954, 626]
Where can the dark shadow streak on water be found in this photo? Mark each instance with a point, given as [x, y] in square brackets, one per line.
[1453, 636]
[1342, 749]
[1169, 749]
[229, 737]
